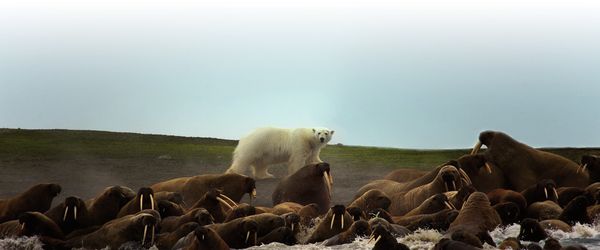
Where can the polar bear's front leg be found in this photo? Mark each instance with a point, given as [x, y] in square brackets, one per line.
[260, 171]
[314, 157]
[296, 163]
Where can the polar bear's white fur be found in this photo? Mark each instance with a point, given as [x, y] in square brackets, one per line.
[265, 146]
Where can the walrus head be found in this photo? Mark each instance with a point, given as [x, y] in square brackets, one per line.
[375, 198]
[338, 212]
[249, 229]
[202, 216]
[292, 221]
[242, 210]
[576, 211]
[509, 212]
[146, 222]
[451, 178]
[215, 196]
[250, 187]
[383, 238]
[74, 206]
[167, 208]
[35, 223]
[591, 163]
[531, 230]
[360, 228]
[356, 213]
[471, 164]
[145, 198]
[322, 169]
[547, 189]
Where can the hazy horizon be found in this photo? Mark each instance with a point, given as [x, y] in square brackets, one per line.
[423, 75]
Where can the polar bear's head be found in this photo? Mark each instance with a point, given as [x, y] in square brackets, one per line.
[323, 135]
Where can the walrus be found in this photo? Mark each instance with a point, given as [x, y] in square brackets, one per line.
[566, 194]
[576, 211]
[266, 222]
[139, 227]
[448, 244]
[167, 208]
[212, 201]
[174, 197]
[556, 225]
[484, 176]
[336, 220]
[31, 224]
[233, 186]
[356, 213]
[437, 221]
[241, 210]
[107, 205]
[283, 235]
[432, 205]
[509, 212]
[359, 228]
[202, 238]
[500, 195]
[527, 165]
[72, 214]
[552, 244]
[448, 179]
[510, 243]
[591, 163]
[35, 199]
[543, 190]
[405, 174]
[394, 229]
[238, 233]
[166, 240]
[476, 217]
[143, 200]
[457, 198]
[372, 199]
[544, 210]
[461, 235]
[197, 215]
[384, 240]
[286, 207]
[531, 230]
[310, 184]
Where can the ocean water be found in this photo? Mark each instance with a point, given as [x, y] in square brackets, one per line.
[587, 235]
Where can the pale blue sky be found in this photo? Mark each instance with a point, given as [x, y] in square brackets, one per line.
[408, 74]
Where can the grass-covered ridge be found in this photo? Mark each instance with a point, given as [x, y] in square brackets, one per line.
[21, 144]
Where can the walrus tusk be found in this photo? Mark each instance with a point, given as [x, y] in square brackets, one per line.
[331, 179]
[583, 168]
[488, 167]
[371, 238]
[255, 238]
[247, 236]
[254, 193]
[555, 193]
[75, 212]
[66, 211]
[449, 205]
[546, 192]
[453, 185]
[326, 179]
[332, 220]
[229, 200]
[464, 174]
[152, 239]
[224, 203]
[342, 219]
[23, 226]
[377, 240]
[476, 148]
[144, 237]
[151, 201]
[141, 202]
[446, 184]
[292, 227]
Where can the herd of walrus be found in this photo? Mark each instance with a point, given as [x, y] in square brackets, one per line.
[464, 199]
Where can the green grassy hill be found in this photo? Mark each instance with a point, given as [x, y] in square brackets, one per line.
[31, 145]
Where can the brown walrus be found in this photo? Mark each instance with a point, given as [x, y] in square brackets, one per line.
[544, 210]
[484, 176]
[432, 205]
[212, 201]
[241, 210]
[174, 197]
[197, 215]
[234, 186]
[500, 195]
[447, 179]
[107, 205]
[359, 228]
[238, 233]
[283, 235]
[310, 184]
[527, 165]
[203, 238]
[267, 222]
[531, 230]
[541, 191]
[405, 174]
[438, 221]
[35, 199]
[384, 240]
[72, 214]
[336, 220]
[139, 227]
[143, 200]
[371, 200]
[591, 164]
[166, 240]
[31, 224]
[476, 217]
[167, 209]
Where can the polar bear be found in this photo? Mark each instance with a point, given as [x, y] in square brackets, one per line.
[266, 146]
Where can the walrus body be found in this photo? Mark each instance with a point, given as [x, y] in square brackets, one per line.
[107, 205]
[336, 221]
[238, 233]
[166, 240]
[193, 188]
[310, 184]
[70, 215]
[485, 177]
[198, 215]
[371, 200]
[143, 200]
[35, 199]
[527, 165]
[359, 228]
[405, 175]
[476, 217]
[544, 210]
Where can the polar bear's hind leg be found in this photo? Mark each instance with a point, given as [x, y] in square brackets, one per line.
[260, 171]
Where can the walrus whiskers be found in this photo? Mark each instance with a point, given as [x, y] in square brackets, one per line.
[332, 220]
[224, 203]
[66, 211]
[476, 148]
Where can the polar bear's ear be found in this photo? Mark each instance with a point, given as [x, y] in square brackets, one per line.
[314, 130]
[332, 131]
